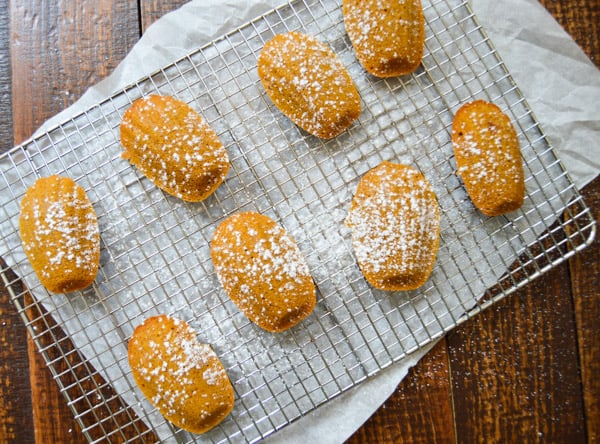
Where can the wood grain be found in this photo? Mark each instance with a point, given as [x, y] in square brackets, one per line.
[152, 10]
[15, 389]
[62, 49]
[585, 286]
[513, 387]
[6, 126]
[523, 371]
[581, 19]
[14, 366]
[420, 411]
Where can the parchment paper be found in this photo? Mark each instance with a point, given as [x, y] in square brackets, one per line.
[561, 85]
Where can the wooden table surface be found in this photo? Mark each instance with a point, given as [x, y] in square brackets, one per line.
[525, 370]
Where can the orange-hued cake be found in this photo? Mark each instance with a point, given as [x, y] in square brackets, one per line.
[182, 377]
[174, 147]
[387, 36]
[263, 271]
[60, 235]
[307, 81]
[488, 158]
[395, 222]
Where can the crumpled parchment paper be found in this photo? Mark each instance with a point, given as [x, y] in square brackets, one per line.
[561, 85]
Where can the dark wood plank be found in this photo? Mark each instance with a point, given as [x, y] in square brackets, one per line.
[61, 48]
[514, 368]
[581, 19]
[6, 126]
[152, 10]
[53, 420]
[14, 366]
[420, 410]
[15, 392]
[585, 283]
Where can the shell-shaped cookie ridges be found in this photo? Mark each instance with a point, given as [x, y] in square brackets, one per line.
[388, 37]
[395, 222]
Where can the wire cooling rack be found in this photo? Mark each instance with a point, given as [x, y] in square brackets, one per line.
[155, 248]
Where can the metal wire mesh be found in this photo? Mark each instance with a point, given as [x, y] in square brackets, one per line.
[155, 248]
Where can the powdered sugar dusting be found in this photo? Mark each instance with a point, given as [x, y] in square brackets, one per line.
[395, 223]
[483, 150]
[488, 157]
[59, 230]
[176, 369]
[308, 83]
[387, 36]
[263, 270]
[174, 147]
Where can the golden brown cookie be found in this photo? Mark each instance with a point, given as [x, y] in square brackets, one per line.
[59, 232]
[395, 223]
[183, 378]
[263, 271]
[307, 81]
[388, 36]
[488, 157]
[174, 147]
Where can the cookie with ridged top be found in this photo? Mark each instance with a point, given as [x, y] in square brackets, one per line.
[263, 271]
[488, 157]
[387, 36]
[307, 81]
[395, 222]
[182, 377]
[60, 235]
[174, 147]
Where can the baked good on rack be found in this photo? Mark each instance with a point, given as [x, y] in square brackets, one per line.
[395, 222]
[307, 81]
[60, 235]
[488, 157]
[263, 271]
[182, 377]
[174, 147]
[387, 36]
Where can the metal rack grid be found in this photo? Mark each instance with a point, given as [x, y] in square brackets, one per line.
[155, 248]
